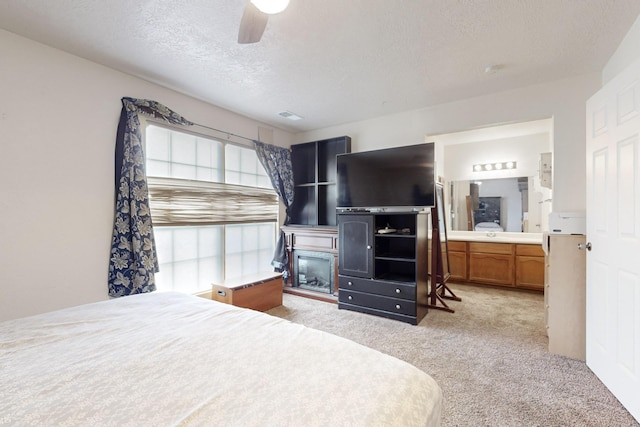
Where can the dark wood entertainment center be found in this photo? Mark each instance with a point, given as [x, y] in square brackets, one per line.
[366, 267]
[384, 273]
[313, 226]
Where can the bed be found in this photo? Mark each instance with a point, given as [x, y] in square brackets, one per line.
[168, 359]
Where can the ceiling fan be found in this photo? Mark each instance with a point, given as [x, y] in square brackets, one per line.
[255, 17]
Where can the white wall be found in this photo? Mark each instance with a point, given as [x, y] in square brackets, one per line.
[525, 150]
[627, 52]
[58, 120]
[562, 100]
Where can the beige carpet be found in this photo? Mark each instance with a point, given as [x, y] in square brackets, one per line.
[490, 358]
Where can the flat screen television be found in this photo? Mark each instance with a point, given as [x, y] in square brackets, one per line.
[398, 178]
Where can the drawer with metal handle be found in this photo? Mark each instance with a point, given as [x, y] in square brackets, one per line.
[378, 287]
[394, 305]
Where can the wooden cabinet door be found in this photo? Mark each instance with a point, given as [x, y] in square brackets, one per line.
[530, 267]
[458, 266]
[491, 263]
[530, 272]
[457, 260]
[355, 244]
[491, 268]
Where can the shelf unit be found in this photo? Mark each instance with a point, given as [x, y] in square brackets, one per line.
[395, 253]
[314, 177]
[384, 274]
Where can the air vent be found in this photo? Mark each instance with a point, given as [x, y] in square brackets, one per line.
[289, 115]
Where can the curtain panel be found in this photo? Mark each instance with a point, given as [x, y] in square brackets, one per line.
[133, 261]
[277, 162]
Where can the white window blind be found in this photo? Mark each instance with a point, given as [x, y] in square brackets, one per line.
[187, 202]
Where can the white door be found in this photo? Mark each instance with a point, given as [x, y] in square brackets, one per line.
[613, 230]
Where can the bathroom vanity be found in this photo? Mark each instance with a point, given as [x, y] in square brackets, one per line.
[514, 260]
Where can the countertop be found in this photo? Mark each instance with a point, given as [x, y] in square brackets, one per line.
[499, 237]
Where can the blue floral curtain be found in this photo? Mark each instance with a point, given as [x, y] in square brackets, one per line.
[133, 262]
[277, 162]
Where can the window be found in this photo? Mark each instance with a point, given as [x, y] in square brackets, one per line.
[213, 208]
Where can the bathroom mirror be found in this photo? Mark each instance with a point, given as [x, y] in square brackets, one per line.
[511, 197]
[517, 204]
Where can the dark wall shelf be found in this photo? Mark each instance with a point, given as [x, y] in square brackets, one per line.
[314, 176]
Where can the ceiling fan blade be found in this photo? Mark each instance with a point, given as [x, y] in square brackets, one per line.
[252, 24]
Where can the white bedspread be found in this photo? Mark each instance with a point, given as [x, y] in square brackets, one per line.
[165, 359]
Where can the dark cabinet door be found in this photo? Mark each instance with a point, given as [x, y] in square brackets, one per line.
[355, 245]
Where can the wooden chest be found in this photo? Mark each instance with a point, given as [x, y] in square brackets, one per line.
[258, 292]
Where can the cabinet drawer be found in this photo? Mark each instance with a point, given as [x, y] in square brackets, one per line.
[393, 305]
[321, 242]
[529, 250]
[379, 287]
[491, 248]
[455, 246]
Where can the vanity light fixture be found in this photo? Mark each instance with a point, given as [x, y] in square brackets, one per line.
[494, 166]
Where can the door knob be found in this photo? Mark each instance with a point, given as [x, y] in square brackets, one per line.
[586, 246]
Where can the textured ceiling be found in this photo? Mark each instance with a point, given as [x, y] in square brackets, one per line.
[333, 61]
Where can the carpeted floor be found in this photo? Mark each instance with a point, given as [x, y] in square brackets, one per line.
[490, 358]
